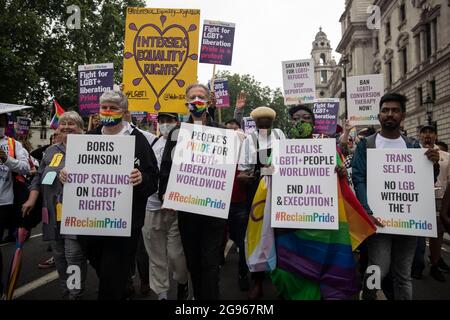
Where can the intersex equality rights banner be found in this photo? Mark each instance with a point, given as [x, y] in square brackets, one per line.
[98, 195]
[160, 58]
[304, 185]
[93, 80]
[400, 191]
[203, 171]
[217, 42]
[363, 98]
[299, 84]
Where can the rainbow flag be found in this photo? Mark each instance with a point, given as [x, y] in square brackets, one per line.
[58, 112]
[319, 264]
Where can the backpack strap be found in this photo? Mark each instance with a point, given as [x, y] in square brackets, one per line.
[154, 142]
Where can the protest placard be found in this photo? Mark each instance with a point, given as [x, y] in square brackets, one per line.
[98, 195]
[160, 58]
[299, 81]
[203, 171]
[249, 125]
[400, 191]
[217, 42]
[326, 115]
[304, 186]
[8, 107]
[363, 98]
[23, 126]
[93, 81]
[221, 93]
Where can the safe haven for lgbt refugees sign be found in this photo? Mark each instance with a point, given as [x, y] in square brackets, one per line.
[98, 194]
[304, 186]
[203, 170]
[400, 191]
[299, 84]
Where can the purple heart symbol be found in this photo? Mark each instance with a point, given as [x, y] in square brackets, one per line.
[161, 33]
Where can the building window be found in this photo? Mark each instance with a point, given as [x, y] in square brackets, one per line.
[428, 40]
[404, 60]
[322, 93]
[377, 44]
[433, 89]
[388, 30]
[402, 10]
[419, 94]
[389, 74]
[323, 76]
[435, 31]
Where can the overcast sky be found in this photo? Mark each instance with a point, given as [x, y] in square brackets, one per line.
[267, 31]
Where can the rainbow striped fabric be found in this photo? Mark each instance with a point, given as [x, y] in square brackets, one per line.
[319, 264]
[58, 112]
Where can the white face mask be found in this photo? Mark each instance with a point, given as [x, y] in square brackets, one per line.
[165, 128]
[2, 132]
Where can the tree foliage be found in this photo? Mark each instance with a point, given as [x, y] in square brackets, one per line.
[257, 95]
[39, 54]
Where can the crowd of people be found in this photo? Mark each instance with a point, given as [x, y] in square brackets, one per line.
[187, 246]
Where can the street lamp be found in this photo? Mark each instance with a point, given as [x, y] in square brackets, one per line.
[343, 63]
[429, 104]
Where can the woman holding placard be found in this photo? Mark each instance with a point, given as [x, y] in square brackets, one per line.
[66, 248]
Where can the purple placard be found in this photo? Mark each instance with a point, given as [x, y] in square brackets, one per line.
[23, 126]
[221, 92]
[326, 113]
[93, 80]
[217, 43]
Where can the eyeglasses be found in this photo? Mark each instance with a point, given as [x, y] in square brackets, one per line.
[198, 97]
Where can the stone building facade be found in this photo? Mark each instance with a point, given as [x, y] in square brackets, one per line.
[410, 47]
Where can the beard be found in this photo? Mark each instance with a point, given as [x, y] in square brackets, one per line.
[390, 124]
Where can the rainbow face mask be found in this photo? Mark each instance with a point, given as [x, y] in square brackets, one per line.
[197, 107]
[110, 118]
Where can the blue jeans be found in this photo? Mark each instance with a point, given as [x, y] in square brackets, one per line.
[393, 253]
[238, 220]
[67, 252]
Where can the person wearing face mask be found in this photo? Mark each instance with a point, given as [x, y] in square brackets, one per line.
[254, 163]
[112, 257]
[160, 231]
[295, 278]
[201, 235]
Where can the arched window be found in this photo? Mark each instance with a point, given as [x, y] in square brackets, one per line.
[322, 59]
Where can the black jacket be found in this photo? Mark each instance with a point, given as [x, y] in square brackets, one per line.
[145, 162]
[166, 161]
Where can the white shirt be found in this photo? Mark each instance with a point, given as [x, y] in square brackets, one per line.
[384, 143]
[248, 156]
[153, 202]
[19, 165]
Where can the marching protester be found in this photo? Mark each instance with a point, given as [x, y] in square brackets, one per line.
[201, 236]
[428, 136]
[112, 257]
[13, 163]
[67, 250]
[253, 165]
[393, 253]
[160, 231]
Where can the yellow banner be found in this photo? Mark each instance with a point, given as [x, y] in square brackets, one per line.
[160, 58]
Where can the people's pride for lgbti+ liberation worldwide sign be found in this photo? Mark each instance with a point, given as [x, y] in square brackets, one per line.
[363, 98]
[400, 191]
[93, 81]
[160, 58]
[304, 186]
[203, 170]
[217, 42]
[299, 81]
[98, 195]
